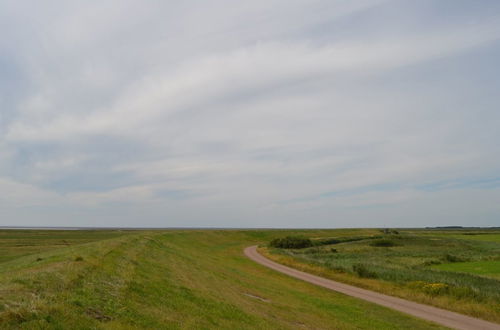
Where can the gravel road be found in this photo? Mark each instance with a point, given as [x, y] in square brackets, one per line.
[437, 315]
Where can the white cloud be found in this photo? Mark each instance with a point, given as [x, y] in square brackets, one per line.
[211, 79]
[268, 107]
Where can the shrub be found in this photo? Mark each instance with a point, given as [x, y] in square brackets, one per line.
[452, 258]
[333, 250]
[431, 262]
[327, 241]
[338, 269]
[430, 288]
[331, 241]
[383, 243]
[79, 258]
[436, 288]
[363, 271]
[291, 242]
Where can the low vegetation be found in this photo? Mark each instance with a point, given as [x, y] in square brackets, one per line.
[383, 243]
[196, 279]
[450, 269]
[338, 240]
[486, 268]
[291, 242]
[362, 271]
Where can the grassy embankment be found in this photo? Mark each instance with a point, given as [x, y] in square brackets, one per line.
[449, 269]
[165, 279]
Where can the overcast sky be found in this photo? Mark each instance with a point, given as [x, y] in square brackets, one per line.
[332, 113]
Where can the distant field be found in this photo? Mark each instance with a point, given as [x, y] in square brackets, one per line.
[180, 279]
[16, 243]
[474, 236]
[481, 237]
[484, 268]
[457, 270]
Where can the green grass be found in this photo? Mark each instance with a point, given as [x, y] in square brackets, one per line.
[17, 243]
[456, 271]
[464, 235]
[480, 237]
[489, 268]
[167, 280]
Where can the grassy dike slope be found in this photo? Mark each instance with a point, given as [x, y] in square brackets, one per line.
[169, 279]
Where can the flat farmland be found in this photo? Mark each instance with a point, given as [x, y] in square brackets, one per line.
[178, 279]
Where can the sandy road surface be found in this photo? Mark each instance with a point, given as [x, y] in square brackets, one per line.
[437, 315]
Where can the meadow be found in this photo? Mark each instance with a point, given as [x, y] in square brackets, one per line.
[177, 279]
[452, 269]
[489, 268]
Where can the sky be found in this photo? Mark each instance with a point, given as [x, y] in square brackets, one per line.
[334, 113]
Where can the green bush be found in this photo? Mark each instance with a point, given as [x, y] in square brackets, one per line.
[383, 243]
[431, 262]
[331, 241]
[452, 258]
[291, 242]
[433, 289]
[327, 241]
[363, 271]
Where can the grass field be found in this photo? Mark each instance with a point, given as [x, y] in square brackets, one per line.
[452, 270]
[16, 243]
[166, 280]
[489, 268]
[485, 236]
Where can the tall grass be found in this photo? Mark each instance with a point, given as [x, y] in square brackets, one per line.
[402, 264]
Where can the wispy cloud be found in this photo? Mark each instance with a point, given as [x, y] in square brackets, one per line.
[256, 114]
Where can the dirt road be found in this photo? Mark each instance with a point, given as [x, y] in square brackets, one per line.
[437, 315]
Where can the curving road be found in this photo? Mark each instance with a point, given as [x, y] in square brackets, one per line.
[437, 315]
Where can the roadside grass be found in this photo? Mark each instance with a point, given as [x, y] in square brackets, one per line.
[196, 279]
[415, 266]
